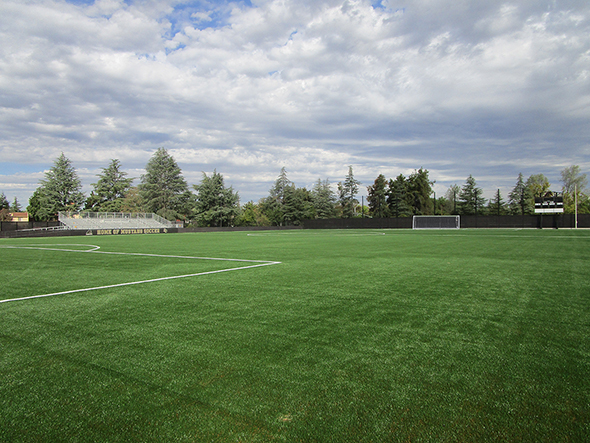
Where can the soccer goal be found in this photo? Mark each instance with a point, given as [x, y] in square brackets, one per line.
[436, 222]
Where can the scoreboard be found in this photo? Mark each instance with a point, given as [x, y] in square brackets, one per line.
[550, 203]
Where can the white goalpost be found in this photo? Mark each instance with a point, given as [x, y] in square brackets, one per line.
[436, 222]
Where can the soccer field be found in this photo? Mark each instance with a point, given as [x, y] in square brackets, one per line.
[297, 336]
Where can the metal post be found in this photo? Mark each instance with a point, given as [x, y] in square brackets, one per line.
[541, 211]
[363, 205]
[576, 203]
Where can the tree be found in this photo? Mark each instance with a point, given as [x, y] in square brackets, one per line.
[451, 199]
[110, 190]
[323, 199]
[163, 188]
[397, 197]
[61, 190]
[186, 204]
[347, 191]
[572, 179]
[538, 186]
[35, 207]
[216, 205]
[277, 192]
[519, 199]
[297, 205]
[16, 207]
[273, 206]
[470, 200]
[574, 189]
[4, 209]
[287, 204]
[377, 198]
[442, 206]
[5, 215]
[251, 215]
[419, 189]
[497, 205]
[4, 202]
[132, 202]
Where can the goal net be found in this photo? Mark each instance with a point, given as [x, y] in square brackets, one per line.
[436, 222]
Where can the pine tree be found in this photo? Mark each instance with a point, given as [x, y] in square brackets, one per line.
[286, 204]
[4, 202]
[273, 206]
[277, 192]
[418, 191]
[397, 197]
[324, 199]
[298, 205]
[497, 205]
[61, 190]
[216, 205]
[110, 190]
[377, 198]
[163, 188]
[347, 191]
[35, 207]
[16, 207]
[519, 198]
[470, 200]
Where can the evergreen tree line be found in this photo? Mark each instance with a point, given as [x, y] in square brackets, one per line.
[407, 196]
[164, 191]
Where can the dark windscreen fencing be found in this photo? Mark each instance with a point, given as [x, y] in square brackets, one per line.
[17, 226]
[359, 223]
[467, 221]
[521, 221]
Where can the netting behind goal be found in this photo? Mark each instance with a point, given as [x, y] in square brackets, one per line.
[436, 222]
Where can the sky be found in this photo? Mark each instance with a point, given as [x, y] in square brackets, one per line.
[488, 89]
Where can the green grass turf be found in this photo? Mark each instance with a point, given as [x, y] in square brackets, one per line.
[470, 335]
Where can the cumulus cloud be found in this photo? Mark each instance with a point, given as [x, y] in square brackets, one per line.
[459, 88]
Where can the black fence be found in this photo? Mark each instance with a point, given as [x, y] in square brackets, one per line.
[467, 221]
[18, 226]
[29, 233]
[554, 221]
[359, 223]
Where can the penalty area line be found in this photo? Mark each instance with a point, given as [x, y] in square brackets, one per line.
[140, 282]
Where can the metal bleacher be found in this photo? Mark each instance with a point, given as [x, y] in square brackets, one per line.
[114, 220]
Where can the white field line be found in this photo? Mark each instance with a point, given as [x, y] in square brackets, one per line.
[259, 263]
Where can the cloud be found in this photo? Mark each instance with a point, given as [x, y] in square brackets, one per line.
[458, 88]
